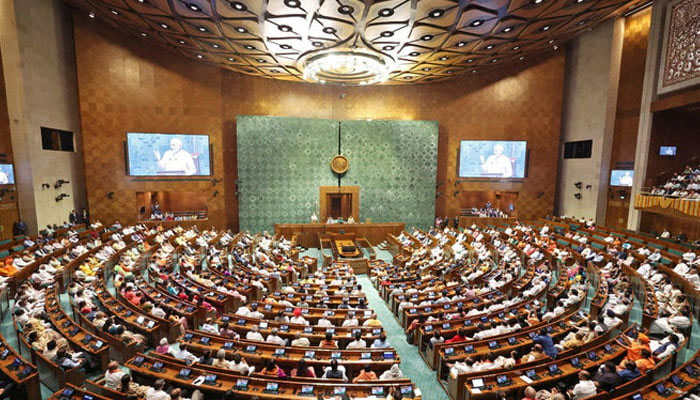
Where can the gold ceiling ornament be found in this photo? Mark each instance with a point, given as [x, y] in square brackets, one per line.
[340, 164]
[394, 41]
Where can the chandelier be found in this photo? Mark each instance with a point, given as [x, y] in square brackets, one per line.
[346, 67]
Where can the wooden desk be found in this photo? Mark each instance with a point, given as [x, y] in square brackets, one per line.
[30, 382]
[226, 380]
[341, 244]
[308, 235]
[76, 393]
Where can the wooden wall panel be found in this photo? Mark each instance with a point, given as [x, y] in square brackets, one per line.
[126, 84]
[675, 224]
[128, 87]
[672, 128]
[8, 203]
[629, 100]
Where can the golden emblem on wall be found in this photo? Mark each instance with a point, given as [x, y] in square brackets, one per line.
[340, 164]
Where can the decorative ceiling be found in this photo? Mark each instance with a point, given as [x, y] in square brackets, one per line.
[416, 40]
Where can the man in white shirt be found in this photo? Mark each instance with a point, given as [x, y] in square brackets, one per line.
[585, 387]
[113, 375]
[274, 338]
[253, 334]
[176, 159]
[358, 343]
[156, 392]
[300, 341]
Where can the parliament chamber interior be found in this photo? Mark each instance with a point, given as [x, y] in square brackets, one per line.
[349, 199]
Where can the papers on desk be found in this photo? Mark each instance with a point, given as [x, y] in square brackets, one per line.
[477, 383]
[526, 379]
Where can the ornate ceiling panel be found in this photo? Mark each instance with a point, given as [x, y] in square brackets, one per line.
[417, 40]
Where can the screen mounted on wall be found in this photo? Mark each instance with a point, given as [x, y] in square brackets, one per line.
[667, 150]
[621, 177]
[492, 159]
[7, 174]
[161, 154]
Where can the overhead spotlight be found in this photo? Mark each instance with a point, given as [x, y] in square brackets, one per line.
[386, 12]
[91, 15]
[115, 12]
[477, 22]
[508, 29]
[436, 13]
[545, 28]
[578, 185]
[461, 44]
[194, 7]
[164, 26]
[577, 196]
[489, 47]
[426, 37]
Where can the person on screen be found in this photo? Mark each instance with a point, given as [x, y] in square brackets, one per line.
[4, 180]
[176, 159]
[497, 163]
[626, 179]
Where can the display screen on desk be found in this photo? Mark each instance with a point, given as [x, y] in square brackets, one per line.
[492, 159]
[159, 154]
[7, 174]
[621, 177]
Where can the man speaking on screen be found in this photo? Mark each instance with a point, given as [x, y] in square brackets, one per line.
[497, 163]
[175, 160]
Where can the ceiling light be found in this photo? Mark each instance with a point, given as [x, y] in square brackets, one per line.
[537, 1]
[214, 45]
[581, 22]
[346, 67]
[522, 58]
[141, 1]
[274, 71]
[551, 41]
[241, 29]
[238, 6]
[202, 29]
[443, 58]
[194, 7]
[477, 22]
[436, 13]
[345, 10]
[261, 60]
[292, 3]
[546, 27]
[489, 47]
[555, 47]
[516, 47]
[181, 41]
[285, 46]
[164, 26]
[387, 48]
[329, 30]
[386, 12]
[407, 77]
[231, 59]
[115, 12]
[284, 28]
[508, 29]
[317, 44]
[414, 54]
[579, 1]
[249, 47]
[200, 56]
[449, 71]
[386, 34]
[144, 34]
[461, 44]
[494, 60]
[470, 60]
[473, 71]
[426, 37]
[91, 15]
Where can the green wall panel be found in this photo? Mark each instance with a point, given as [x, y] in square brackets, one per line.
[283, 161]
[395, 164]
